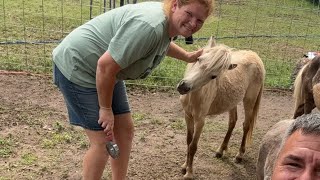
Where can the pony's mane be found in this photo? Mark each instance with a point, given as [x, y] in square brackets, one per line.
[218, 57]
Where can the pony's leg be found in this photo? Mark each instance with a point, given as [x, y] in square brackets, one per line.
[300, 101]
[299, 111]
[190, 131]
[309, 103]
[247, 128]
[233, 117]
[192, 148]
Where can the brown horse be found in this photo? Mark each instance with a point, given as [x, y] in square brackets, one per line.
[307, 88]
[299, 64]
[269, 149]
[217, 83]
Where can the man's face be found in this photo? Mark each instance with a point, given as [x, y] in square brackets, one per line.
[299, 158]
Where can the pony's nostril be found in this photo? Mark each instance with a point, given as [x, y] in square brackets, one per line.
[183, 88]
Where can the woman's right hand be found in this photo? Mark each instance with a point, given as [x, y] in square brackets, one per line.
[107, 69]
[106, 120]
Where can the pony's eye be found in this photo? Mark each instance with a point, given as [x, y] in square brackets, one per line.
[213, 77]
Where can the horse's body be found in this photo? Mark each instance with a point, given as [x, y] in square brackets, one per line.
[298, 66]
[209, 88]
[307, 88]
[269, 149]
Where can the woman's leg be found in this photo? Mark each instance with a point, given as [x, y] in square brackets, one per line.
[95, 159]
[83, 110]
[123, 135]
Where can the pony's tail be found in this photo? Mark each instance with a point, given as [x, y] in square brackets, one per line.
[316, 95]
[254, 116]
[297, 92]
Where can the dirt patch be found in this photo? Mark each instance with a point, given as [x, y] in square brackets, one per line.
[36, 141]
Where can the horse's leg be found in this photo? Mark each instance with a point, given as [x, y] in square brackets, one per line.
[192, 148]
[233, 117]
[309, 103]
[251, 106]
[299, 111]
[190, 131]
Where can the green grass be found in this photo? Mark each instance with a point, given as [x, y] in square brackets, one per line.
[279, 31]
[62, 136]
[178, 124]
[29, 159]
[56, 139]
[6, 147]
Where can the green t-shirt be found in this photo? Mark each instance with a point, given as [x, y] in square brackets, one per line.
[135, 35]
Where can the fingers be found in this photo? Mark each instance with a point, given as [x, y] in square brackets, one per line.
[200, 51]
[107, 129]
[195, 55]
[109, 135]
[106, 121]
[106, 126]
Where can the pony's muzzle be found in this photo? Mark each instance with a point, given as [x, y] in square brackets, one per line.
[183, 88]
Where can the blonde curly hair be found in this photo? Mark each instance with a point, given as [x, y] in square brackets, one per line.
[167, 5]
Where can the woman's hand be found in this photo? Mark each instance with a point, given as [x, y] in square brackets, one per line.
[193, 56]
[177, 52]
[106, 120]
[107, 69]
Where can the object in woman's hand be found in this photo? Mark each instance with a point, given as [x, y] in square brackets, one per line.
[113, 149]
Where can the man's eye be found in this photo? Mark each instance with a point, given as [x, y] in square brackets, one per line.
[294, 165]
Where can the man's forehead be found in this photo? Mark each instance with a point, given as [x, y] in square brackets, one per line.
[299, 140]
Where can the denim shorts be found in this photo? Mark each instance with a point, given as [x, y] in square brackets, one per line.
[82, 103]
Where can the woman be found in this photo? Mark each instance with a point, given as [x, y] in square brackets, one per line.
[91, 63]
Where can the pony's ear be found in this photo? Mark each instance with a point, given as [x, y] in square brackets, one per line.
[232, 66]
[212, 41]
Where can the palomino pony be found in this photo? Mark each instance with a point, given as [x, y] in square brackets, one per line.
[307, 88]
[217, 83]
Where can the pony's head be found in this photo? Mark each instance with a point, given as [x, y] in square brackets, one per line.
[214, 60]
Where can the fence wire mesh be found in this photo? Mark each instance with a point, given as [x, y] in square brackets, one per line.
[280, 31]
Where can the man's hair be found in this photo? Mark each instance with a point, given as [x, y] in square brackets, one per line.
[308, 124]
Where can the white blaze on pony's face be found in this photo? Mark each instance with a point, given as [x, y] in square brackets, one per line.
[214, 60]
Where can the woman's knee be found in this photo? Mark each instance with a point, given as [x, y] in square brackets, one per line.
[124, 125]
[96, 138]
